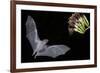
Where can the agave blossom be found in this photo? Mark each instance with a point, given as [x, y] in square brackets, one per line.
[78, 23]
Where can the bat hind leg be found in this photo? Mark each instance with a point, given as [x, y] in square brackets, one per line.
[34, 53]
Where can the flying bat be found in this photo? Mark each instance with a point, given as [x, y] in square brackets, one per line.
[40, 47]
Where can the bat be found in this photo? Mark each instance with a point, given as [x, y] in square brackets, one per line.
[40, 47]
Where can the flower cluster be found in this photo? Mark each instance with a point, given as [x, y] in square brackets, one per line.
[78, 22]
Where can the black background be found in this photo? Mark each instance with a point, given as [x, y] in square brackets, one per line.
[54, 27]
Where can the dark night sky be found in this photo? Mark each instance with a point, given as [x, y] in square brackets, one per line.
[54, 27]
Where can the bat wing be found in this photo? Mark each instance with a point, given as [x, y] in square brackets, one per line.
[53, 51]
[31, 33]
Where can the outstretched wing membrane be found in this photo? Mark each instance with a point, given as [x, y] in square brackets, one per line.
[31, 34]
[54, 51]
